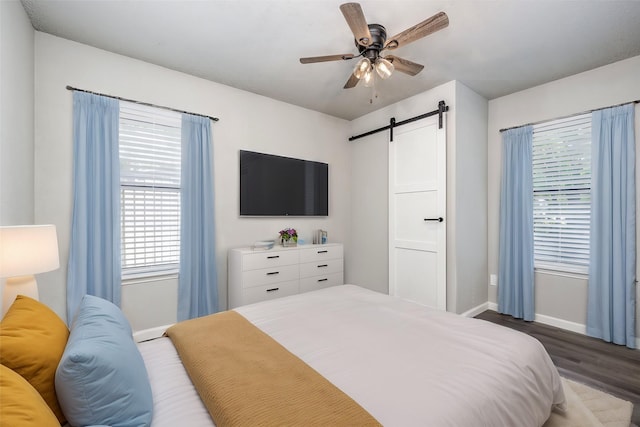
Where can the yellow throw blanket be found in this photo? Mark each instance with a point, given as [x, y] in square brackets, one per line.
[245, 378]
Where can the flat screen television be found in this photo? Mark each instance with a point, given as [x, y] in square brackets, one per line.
[282, 186]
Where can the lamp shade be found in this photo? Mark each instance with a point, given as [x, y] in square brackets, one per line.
[28, 249]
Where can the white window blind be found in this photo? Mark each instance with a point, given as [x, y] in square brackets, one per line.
[562, 193]
[149, 190]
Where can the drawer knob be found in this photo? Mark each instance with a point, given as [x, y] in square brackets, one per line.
[322, 280]
[271, 273]
[323, 265]
[272, 289]
[273, 256]
[322, 252]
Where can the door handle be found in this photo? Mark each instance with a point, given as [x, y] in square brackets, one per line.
[439, 219]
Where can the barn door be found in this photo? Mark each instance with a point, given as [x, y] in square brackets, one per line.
[417, 208]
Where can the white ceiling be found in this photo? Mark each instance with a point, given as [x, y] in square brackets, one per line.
[495, 47]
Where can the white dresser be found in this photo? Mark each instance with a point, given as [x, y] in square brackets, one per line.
[261, 275]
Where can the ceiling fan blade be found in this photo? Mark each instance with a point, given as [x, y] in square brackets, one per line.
[426, 27]
[404, 65]
[352, 82]
[312, 59]
[355, 19]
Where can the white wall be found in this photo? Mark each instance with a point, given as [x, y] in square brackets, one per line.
[560, 297]
[16, 115]
[368, 263]
[247, 121]
[470, 204]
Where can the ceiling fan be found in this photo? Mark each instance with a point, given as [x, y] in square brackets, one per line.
[371, 40]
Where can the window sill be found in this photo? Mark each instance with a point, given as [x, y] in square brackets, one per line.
[562, 273]
[157, 277]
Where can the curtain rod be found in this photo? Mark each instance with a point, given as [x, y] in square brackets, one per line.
[215, 119]
[570, 115]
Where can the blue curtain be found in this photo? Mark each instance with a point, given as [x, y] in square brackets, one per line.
[612, 264]
[515, 273]
[94, 254]
[198, 282]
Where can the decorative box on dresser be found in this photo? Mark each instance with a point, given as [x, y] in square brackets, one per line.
[259, 275]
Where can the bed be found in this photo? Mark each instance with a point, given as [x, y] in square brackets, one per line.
[337, 356]
[403, 363]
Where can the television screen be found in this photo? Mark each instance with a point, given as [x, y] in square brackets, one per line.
[281, 186]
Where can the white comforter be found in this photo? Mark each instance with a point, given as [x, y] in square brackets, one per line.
[404, 363]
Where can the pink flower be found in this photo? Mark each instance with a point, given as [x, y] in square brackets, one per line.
[289, 234]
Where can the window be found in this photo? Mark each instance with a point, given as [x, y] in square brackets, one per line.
[149, 190]
[562, 193]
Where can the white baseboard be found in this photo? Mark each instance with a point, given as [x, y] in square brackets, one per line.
[552, 321]
[558, 323]
[149, 334]
[476, 310]
[562, 324]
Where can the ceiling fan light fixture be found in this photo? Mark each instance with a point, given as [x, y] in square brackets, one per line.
[362, 67]
[384, 68]
[369, 77]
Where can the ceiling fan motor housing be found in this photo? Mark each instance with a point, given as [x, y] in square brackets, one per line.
[378, 38]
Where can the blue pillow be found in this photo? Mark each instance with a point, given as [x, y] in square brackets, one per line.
[101, 379]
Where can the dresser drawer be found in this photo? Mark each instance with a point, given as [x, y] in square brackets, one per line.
[320, 252]
[310, 269]
[267, 292]
[265, 276]
[267, 259]
[318, 282]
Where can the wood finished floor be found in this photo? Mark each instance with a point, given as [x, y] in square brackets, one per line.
[612, 368]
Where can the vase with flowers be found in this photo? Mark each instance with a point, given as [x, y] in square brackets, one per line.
[288, 237]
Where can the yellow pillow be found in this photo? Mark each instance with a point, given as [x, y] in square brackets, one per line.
[32, 340]
[21, 404]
